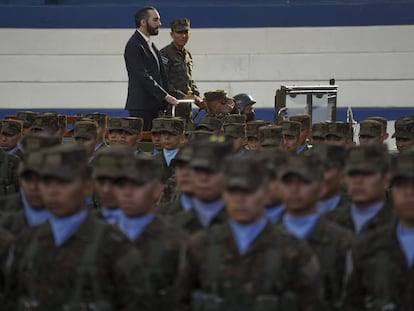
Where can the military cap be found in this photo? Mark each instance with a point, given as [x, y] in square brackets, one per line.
[198, 135]
[48, 122]
[270, 135]
[291, 128]
[402, 165]
[252, 127]
[183, 110]
[210, 123]
[339, 129]
[106, 162]
[27, 117]
[141, 169]
[309, 167]
[180, 24]
[234, 118]
[330, 155]
[216, 95]
[66, 161]
[184, 155]
[157, 125]
[246, 173]
[382, 120]
[131, 125]
[303, 119]
[235, 130]
[370, 128]
[174, 126]
[319, 129]
[404, 127]
[85, 129]
[36, 141]
[100, 118]
[31, 162]
[209, 154]
[275, 160]
[11, 127]
[367, 158]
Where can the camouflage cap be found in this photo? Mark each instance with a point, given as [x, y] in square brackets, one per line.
[382, 120]
[141, 170]
[402, 165]
[85, 129]
[247, 173]
[209, 154]
[66, 161]
[12, 127]
[180, 24]
[252, 127]
[234, 118]
[216, 95]
[36, 141]
[319, 130]
[173, 126]
[270, 135]
[303, 119]
[27, 117]
[309, 167]
[330, 155]
[106, 162]
[210, 123]
[404, 127]
[131, 125]
[100, 118]
[276, 159]
[199, 135]
[291, 128]
[184, 155]
[31, 162]
[370, 128]
[48, 122]
[235, 130]
[339, 129]
[157, 125]
[367, 158]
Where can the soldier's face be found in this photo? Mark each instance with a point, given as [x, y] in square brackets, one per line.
[8, 142]
[30, 184]
[366, 140]
[332, 181]
[184, 178]
[300, 195]
[156, 141]
[137, 200]
[274, 195]
[89, 143]
[366, 188]
[338, 141]
[113, 137]
[403, 200]
[105, 188]
[290, 143]
[128, 139]
[170, 141]
[253, 143]
[207, 185]
[245, 207]
[180, 39]
[64, 198]
[404, 144]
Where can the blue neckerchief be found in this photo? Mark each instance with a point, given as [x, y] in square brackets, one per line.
[207, 211]
[300, 149]
[361, 216]
[300, 226]
[245, 234]
[240, 153]
[155, 151]
[406, 238]
[274, 213]
[111, 215]
[328, 205]
[12, 151]
[169, 155]
[133, 226]
[34, 216]
[88, 201]
[186, 202]
[64, 227]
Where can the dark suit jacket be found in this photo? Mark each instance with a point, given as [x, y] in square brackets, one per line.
[146, 82]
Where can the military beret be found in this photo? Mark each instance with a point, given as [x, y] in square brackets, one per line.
[252, 127]
[234, 118]
[141, 170]
[210, 123]
[48, 122]
[319, 130]
[209, 154]
[106, 162]
[174, 126]
[85, 129]
[402, 165]
[340, 129]
[100, 118]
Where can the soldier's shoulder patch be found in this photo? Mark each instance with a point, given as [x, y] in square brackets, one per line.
[164, 60]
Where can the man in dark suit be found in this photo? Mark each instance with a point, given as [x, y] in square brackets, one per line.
[148, 83]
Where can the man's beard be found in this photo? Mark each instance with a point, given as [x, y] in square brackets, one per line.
[152, 30]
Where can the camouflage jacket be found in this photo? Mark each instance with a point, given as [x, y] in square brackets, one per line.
[8, 173]
[169, 209]
[276, 268]
[15, 222]
[11, 203]
[49, 276]
[381, 278]
[179, 67]
[6, 239]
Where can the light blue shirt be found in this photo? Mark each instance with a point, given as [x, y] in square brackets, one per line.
[12, 151]
[360, 217]
[34, 216]
[244, 234]
[169, 155]
[274, 213]
[64, 227]
[406, 238]
[300, 149]
[111, 215]
[186, 202]
[329, 204]
[155, 151]
[133, 226]
[301, 226]
[207, 211]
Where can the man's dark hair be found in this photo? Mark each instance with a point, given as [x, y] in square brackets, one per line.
[142, 13]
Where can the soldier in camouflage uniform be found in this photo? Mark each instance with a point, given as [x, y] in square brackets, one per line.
[319, 132]
[370, 132]
[28, 118]
[252, 134]
[100, 119]
[48, 122]
[302, 180]
[10, 135]
[404, 133]
[74, 261]
[211, 124]
[291, 136]
[218, 103]
[384, 123]
[156, 136]
[85, 133]
[138, 187]
[270, 136]
[179, 62]
[340, 133]
[125, 131]
[305, 121]
[383, 277]
[8, 175]
[237, 133]
[246, 263]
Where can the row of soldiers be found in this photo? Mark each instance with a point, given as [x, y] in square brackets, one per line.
[209, 222]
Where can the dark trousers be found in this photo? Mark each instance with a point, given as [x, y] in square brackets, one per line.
[146, 115]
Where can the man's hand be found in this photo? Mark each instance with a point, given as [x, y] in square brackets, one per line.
[171, 100]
